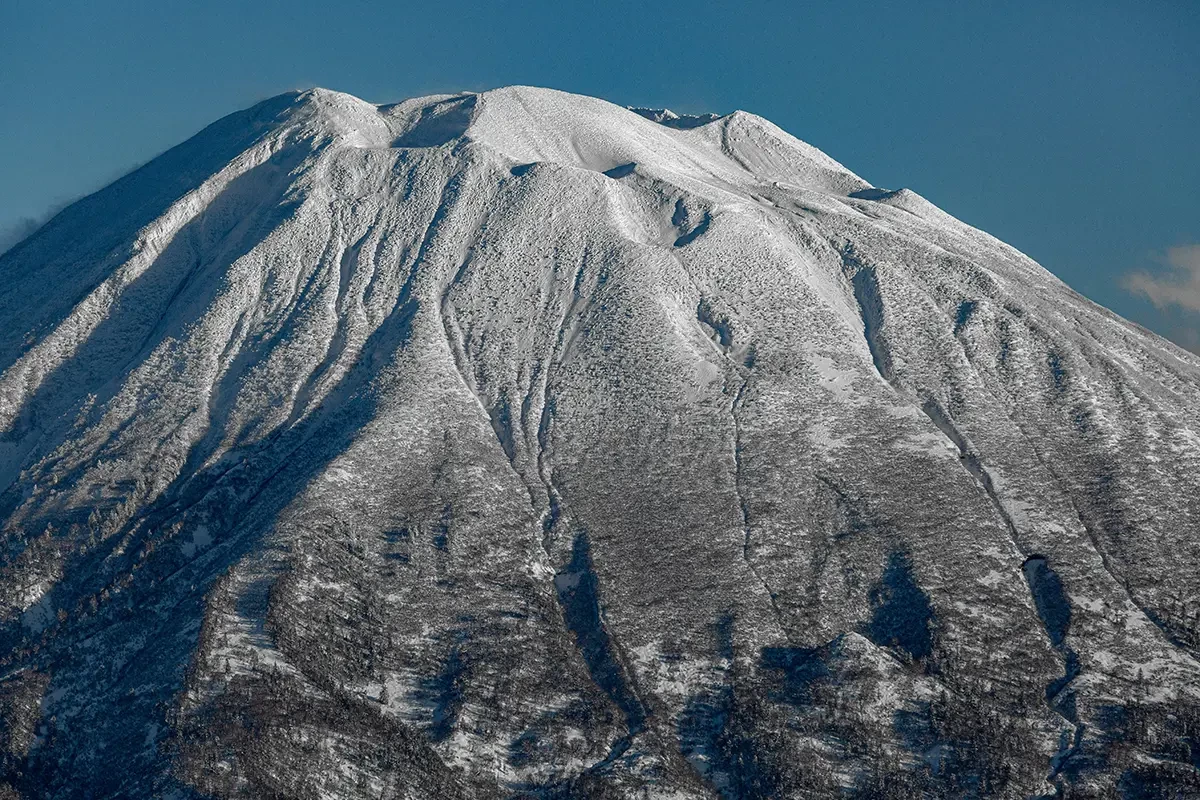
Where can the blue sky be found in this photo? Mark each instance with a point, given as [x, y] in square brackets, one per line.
[1068, 129]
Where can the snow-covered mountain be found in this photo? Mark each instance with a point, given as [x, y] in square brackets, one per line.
[519, 444]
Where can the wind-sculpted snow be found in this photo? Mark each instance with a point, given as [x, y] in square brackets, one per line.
[518, 444]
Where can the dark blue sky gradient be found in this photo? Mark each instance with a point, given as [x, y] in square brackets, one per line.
[1068, 129]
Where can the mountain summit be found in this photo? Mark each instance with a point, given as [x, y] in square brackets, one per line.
[517, 444]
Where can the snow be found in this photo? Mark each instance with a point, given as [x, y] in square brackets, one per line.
[348, 396]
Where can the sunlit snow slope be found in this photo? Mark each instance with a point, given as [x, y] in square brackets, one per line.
[519, 444]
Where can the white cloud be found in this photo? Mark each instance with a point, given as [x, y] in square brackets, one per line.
[1178, 286]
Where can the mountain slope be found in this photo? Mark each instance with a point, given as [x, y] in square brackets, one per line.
[520, 444]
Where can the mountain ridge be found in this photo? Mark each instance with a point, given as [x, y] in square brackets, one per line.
[516, 443]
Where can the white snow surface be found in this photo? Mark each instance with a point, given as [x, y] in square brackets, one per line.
[338, 396]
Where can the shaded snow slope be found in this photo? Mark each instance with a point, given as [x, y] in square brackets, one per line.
[519, 444]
